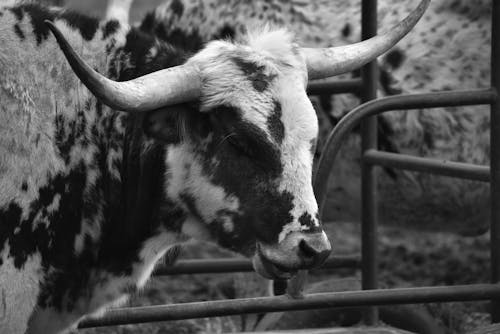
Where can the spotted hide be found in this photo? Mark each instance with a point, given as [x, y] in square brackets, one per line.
[449, 50]
[92, 198]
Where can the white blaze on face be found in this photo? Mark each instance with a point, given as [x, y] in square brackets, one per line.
[299, 121]
[301, 129]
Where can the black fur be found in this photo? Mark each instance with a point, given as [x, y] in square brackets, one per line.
[110, 28]
[255, 73]
[177, 7]
[19, 32]
[275, 125]
[38, 14]
[247, 166]
[395, 58]
[346, 31]
[191, 42]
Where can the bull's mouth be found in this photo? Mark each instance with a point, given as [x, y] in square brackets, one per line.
[269, 269]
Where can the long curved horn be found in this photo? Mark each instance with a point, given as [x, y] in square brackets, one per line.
[151, 91]
[327, 62]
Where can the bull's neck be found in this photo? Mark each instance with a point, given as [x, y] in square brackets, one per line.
[136, 206]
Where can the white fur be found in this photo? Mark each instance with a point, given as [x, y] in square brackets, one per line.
[19, 289]
[153, 250]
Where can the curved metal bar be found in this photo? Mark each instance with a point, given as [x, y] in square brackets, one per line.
[399, 102]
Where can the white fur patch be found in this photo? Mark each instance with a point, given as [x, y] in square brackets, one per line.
[276, 43]
[19, 290]
[153, 250]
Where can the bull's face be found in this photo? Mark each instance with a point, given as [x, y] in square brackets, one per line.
[247, 178]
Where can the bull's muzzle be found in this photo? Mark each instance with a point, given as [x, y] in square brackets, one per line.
[299, 250]
[314, 249]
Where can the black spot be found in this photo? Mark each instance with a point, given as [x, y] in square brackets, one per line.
[387, 82]
[177, 7]
[226, 32]
[255, 73]
[18, 12]
[247, 67]
[306, 219]
[86, 25]
[346, 31]
[18, 31]
[240, 139]
[24, 186]
[1, 13]
[38, 14]
[395, 58]
[110, 28]
[275, 125]
[148, 23]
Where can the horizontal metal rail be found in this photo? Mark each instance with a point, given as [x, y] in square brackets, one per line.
[426, 165]
[134, 315]
[392, 103]
[334, 86]
[227, 265]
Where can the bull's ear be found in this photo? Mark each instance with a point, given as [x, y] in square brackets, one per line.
[163, 124]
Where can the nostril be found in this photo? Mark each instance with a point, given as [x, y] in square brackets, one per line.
[313, 251]
[306, 250]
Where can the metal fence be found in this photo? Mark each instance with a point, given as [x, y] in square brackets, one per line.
[370, 296]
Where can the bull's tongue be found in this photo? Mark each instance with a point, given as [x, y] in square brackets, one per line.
[268, 270]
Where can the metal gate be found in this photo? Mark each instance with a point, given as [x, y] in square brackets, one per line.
[370, 296]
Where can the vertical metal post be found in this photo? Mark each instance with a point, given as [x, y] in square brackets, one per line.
[369, 76]
[495, 157]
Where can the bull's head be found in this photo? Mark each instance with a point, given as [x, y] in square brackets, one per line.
[243, 167]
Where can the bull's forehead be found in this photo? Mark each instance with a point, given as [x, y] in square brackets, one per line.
[265, 80]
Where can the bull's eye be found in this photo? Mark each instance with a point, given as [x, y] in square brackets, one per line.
[241, 146]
